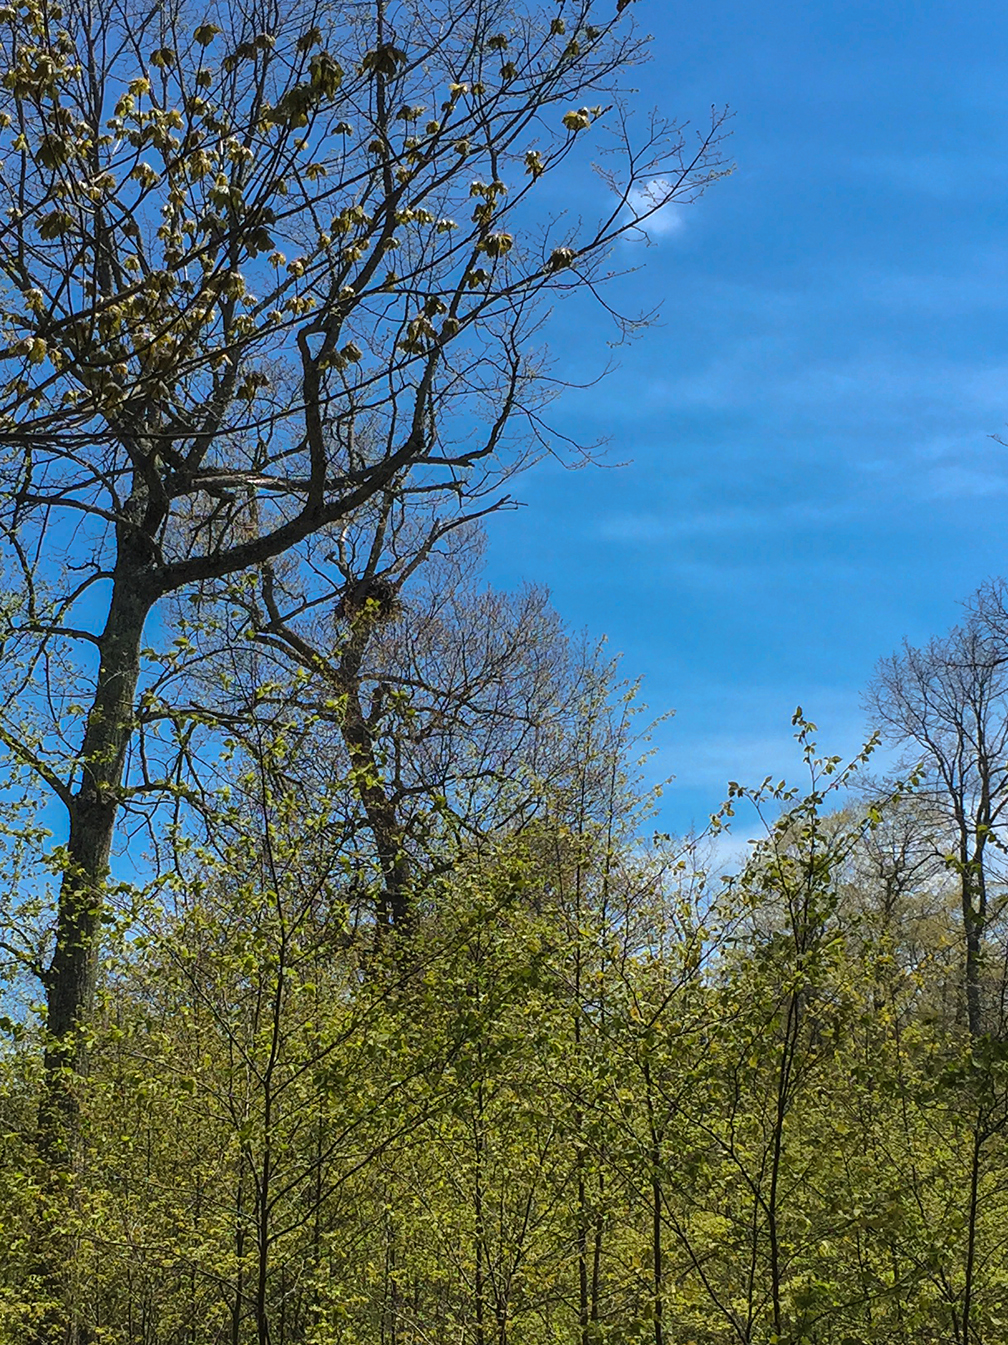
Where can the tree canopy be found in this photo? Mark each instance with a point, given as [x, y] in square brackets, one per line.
[354, 998]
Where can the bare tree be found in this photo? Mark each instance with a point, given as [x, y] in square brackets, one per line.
[261, 263]
[949, 701]
[437, 703]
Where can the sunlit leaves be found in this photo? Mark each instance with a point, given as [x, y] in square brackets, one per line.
[384, 60]
[326, 74]
[145, 175]
[55, 224]
[577, 121]
[309, 39]
[53, 151]
[497, 244]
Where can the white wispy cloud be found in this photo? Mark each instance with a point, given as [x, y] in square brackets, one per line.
[664, 217]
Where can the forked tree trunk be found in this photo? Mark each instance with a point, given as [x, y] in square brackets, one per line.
[395, 906]
[974, 910]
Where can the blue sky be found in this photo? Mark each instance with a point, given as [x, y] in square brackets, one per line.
[811, 474]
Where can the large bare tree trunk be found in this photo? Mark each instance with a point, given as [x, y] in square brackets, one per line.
[72, 973]
[71, 978]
